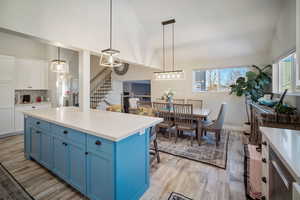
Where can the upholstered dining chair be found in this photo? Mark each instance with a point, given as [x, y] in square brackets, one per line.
[197, 103]
[184, 121]
[215, 125]
[178, 101]
[161, 110]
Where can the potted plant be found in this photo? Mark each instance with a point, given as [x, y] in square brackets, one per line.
[253, 86]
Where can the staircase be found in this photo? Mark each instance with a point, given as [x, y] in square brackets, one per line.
[101, 86]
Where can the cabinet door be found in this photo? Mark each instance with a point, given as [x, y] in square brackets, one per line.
[60, 158]
[99, 177]
[36, 74]
[46, 150]
[35, 144]
[77, 159]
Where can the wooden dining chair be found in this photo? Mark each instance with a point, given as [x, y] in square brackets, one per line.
[145, 104]
[161, 110]
[178, 101]
[197, 103]
[215, 125]
[184, 121]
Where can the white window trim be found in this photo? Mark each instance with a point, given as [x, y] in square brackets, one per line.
[276, 78]
[218, 68]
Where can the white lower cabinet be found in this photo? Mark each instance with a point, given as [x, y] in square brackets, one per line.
[19, 116]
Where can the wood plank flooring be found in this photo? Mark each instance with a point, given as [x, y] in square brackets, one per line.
[193, 179]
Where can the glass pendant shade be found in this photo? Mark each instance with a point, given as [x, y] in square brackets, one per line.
[169, 75]
[109, 59]
[59, 66]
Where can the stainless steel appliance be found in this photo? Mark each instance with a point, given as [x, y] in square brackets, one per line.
[281, 181]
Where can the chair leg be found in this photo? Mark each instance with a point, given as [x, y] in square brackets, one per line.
[192, 139]
[156, 150]
[176, 135]
[198, 138]
[218, 137]
[169, 131]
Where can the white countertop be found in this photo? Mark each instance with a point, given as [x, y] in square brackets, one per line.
[113, 126]
[286, 144]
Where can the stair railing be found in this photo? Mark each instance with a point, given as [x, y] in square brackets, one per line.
[100, 79]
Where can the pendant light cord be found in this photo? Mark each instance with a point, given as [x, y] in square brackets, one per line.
[110, 24]
[173, 46]
[58, 54]
[164, 59]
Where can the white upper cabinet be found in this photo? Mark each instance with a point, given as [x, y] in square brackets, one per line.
[31, 74]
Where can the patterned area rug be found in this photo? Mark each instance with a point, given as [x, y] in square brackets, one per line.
[177, 196]
[9, 187]
[207, 152]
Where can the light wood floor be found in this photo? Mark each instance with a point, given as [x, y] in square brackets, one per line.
[193, 179]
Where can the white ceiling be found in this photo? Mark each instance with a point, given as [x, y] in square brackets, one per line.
[211, 29]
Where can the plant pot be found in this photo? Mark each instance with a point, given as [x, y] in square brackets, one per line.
[283, 118]
[268, 118]
[295, 119]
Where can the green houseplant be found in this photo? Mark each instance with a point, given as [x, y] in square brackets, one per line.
[253, 86]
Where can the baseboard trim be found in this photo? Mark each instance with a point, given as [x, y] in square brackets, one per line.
[11, 134]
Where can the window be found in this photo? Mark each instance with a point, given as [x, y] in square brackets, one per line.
[216, 79]
[286, 73]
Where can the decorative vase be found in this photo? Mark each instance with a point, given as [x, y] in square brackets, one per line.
[170, 102]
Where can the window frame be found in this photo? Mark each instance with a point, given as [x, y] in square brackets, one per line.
[277, 79]
[194, 90]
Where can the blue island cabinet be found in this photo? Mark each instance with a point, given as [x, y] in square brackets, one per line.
[100, 169]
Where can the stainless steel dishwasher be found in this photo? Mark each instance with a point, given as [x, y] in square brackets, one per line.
[281, 181]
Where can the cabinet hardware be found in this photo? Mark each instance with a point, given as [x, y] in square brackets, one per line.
[264, 179]
[38, 123]
[86, 153]
[65, 132]
[65, 144]
[98, 142]
[263, 198]
[264, 160]
[38, 132]
[33, 107]
[264, 143]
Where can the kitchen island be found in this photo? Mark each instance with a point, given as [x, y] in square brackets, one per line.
[104, 155]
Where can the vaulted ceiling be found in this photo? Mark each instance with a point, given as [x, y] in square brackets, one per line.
[214, 29]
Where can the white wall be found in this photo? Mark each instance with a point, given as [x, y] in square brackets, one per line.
[285, 33]
[21, 47]
[78, 24]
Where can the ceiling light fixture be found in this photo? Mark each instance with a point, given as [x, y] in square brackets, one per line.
[174, 74]
[59, 65]
[108, 56]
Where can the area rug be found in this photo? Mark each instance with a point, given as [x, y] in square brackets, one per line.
[10, 189]
[177, 196]
[207, 152]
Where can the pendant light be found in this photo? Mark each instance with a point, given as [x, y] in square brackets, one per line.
[108, 56]
[173, 74]
[59, 65]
